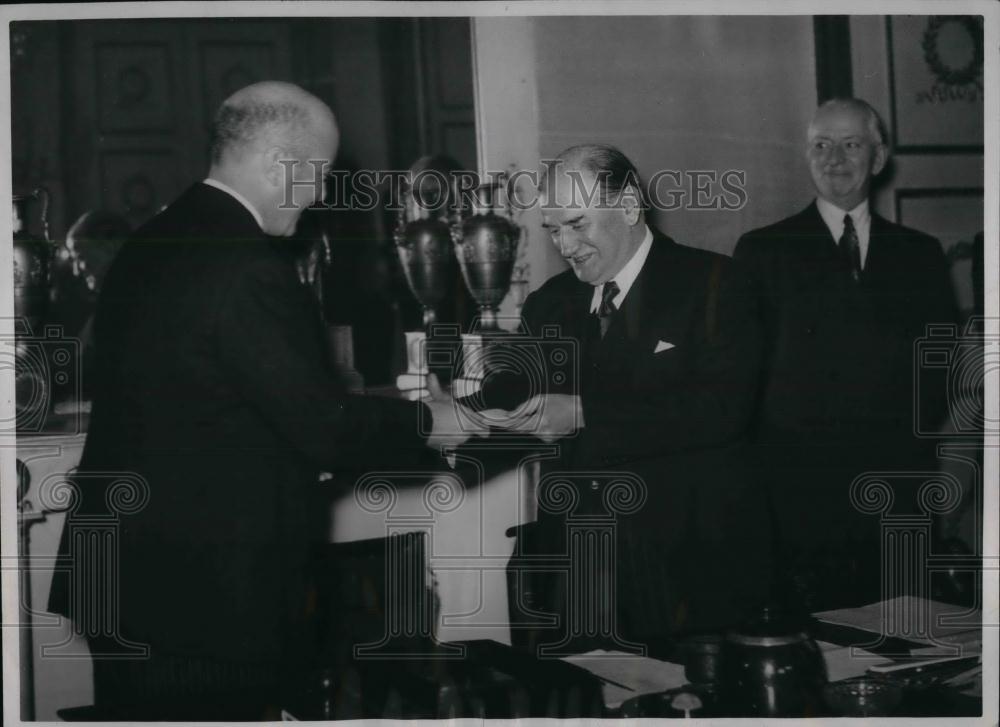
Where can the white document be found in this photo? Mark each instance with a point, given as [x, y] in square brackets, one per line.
[636, 674]
[918, 620]
[844, 662]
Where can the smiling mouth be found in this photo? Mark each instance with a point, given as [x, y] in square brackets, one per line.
[581, 259]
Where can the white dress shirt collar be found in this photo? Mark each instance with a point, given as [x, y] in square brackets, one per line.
[833, 216]
[238, 197]
[626, 276]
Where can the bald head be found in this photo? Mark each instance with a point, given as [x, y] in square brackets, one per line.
[269, 140]
[269, 113]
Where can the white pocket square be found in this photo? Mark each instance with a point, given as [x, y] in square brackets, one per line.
[662, 346]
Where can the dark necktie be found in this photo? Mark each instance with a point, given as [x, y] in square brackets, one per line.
[850, 248]
[607, 307]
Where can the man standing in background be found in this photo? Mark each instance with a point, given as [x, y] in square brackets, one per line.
[841, 296]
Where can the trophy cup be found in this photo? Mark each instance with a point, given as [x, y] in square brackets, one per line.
[424, 247]
[32, 261]
[423, 240]
[486, 245]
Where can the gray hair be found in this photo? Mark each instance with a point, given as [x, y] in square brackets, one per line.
[613, 171]
[876, 126]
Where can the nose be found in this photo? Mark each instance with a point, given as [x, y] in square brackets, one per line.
[568, 243]
[837, 154]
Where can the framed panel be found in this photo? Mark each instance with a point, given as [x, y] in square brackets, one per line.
[228, 66]
[448, 44]
[832, 35]
[936, 82]
[136, 184]
[134, 87]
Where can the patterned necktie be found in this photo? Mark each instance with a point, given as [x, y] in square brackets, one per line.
[607, 307]
[850, 248]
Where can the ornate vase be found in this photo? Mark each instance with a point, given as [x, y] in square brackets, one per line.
[32, 262]
[486, 244]
[32, 268]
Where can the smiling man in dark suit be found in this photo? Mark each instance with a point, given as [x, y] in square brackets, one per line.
[667, 364]
[842, 295]
[214, 391]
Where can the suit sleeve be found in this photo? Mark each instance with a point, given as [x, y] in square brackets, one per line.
[710, 405]
[940, 308]
[269, 345]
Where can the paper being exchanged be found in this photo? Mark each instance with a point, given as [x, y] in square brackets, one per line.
[513, 421]
[626, 676]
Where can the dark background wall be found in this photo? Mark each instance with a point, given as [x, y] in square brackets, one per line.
[726, 92]
[115, 116]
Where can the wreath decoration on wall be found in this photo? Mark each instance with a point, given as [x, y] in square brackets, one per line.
[952, 76]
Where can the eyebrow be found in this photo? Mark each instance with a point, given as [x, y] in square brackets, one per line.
[828, 137]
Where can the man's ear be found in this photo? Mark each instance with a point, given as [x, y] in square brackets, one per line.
[273, 168]
[881, 158]
[631, 205]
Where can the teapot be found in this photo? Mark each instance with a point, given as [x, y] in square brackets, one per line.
[771, 667]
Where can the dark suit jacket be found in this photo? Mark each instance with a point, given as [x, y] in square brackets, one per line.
[837, 391]
[214, 387]
[674, 418]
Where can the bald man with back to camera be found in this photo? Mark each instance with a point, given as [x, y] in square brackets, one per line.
[842, 296]
[215, 390]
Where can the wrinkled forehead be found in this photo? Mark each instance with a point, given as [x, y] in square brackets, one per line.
[838, 122]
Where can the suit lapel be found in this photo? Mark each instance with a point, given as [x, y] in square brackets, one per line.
[656, 298]
[578, 314]
[823, 264]
[815, 227]
[878, 259]
[879, 250]
[666, 295]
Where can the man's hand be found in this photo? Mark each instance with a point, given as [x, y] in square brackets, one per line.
[452, 423]
[546, 416]
[554, 415]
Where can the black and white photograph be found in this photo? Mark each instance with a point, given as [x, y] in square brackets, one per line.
[542, 359]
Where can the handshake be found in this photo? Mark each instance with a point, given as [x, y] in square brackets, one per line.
[546, 416]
